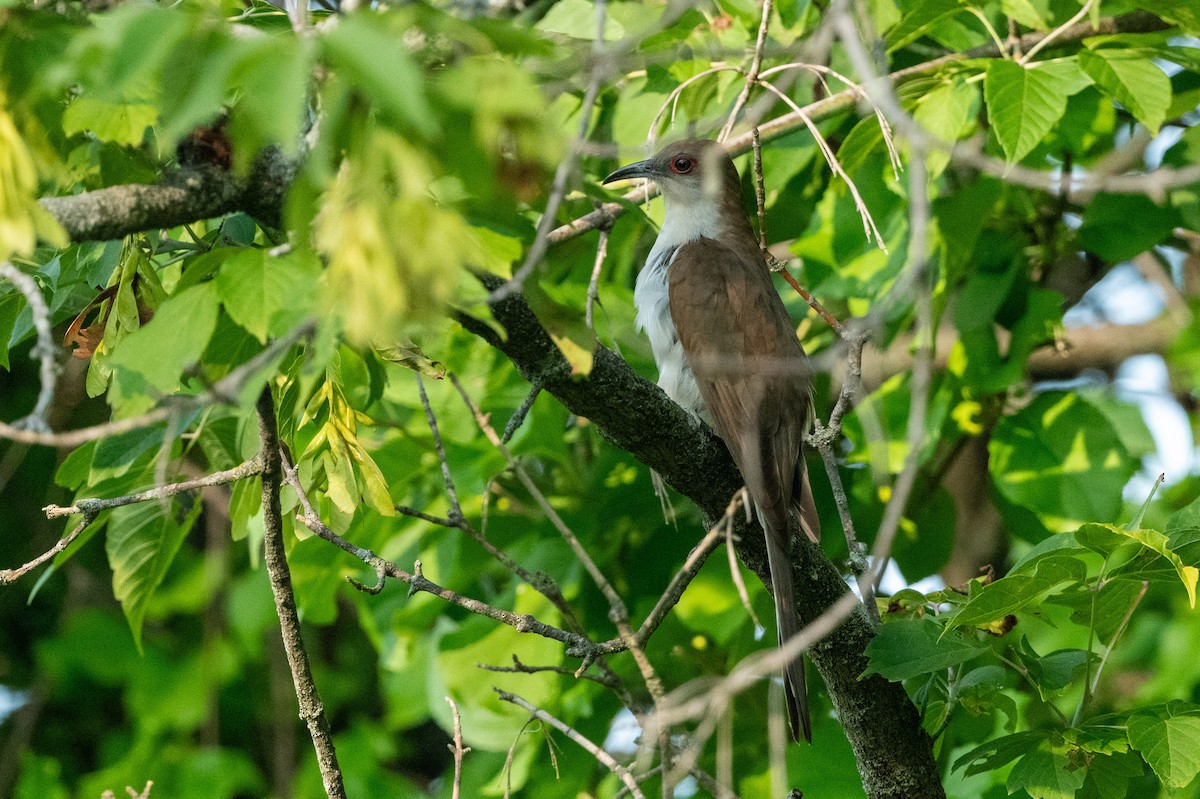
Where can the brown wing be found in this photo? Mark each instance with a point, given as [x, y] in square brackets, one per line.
[753, 378]
[748, 364]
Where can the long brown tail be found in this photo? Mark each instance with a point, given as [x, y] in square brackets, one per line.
[788, 622]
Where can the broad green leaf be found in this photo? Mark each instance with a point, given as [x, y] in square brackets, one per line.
[1000, 751]
[1119, 226]
[265, 294]
[1034, 14]
[1044, 775]
[121, 123]
[1061, 458]
[1022, 106]
[1169, 739]
[141, 542]
[904, 649]
[154, 356]
[361, 51]
[919, 20]
[1108, 776]
[1065, 74]
[577, 19]
[1016, 591]
[1132, 80]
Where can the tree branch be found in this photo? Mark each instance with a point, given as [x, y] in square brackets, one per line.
[183, 196]
[311, 709]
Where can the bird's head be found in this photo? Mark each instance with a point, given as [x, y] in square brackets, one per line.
[690, 171]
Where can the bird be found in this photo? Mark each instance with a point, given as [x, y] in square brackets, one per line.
[727, 353]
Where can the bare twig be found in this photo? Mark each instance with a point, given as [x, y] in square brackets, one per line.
[311, 709]
[9, 576]
[44, 351]
[604, 758]
[518, 418]
[593, 292]
[751, 76]
[618, 613]
[458, 749]
[95, 506]
[1054, 34]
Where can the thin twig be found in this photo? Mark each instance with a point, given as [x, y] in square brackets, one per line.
[95, 506]
[916, 270]
[9, 576]
[458, 749]
[618, 612]
[518, 418]
[751, 76]
[456, 513]
[312, 711]
[593, 292]
[604, 758]
[1054, 34]
[43, 351]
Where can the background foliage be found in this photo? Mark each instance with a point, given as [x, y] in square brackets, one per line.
[425, 138]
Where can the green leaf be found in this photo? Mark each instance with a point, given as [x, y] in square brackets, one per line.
[1133, 80]
[919, 20]
[1119, 226]
[122, 123]
[154, 357]
[946, 113]
[1044, 775]
[1016, 591]
[363, 54]
[1183, 13]
[1000, 751]
[141, 542]
[577, 19]
[1030, 13]
[1022, 106]
[904, 649]
[1065, 74]
[268, 295]
[1108, 776]
[1061, 458]
[273, 79]
[1169, 739]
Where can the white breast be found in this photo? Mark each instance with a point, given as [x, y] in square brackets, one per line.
[685, 222]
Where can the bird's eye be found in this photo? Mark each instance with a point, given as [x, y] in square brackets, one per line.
[682, 165]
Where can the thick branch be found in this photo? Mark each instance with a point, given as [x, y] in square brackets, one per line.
[895, 758]
[311, 709]
[184, 196]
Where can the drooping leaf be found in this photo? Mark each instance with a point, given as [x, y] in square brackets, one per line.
[141, 542]
[1022, 106]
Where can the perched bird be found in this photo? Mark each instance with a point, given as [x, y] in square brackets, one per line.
[728, 354]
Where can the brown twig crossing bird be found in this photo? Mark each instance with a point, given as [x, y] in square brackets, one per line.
[727, 352]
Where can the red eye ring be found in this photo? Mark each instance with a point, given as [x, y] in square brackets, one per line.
[682, 165]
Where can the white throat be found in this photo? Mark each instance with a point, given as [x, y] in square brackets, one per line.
[684, 223]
